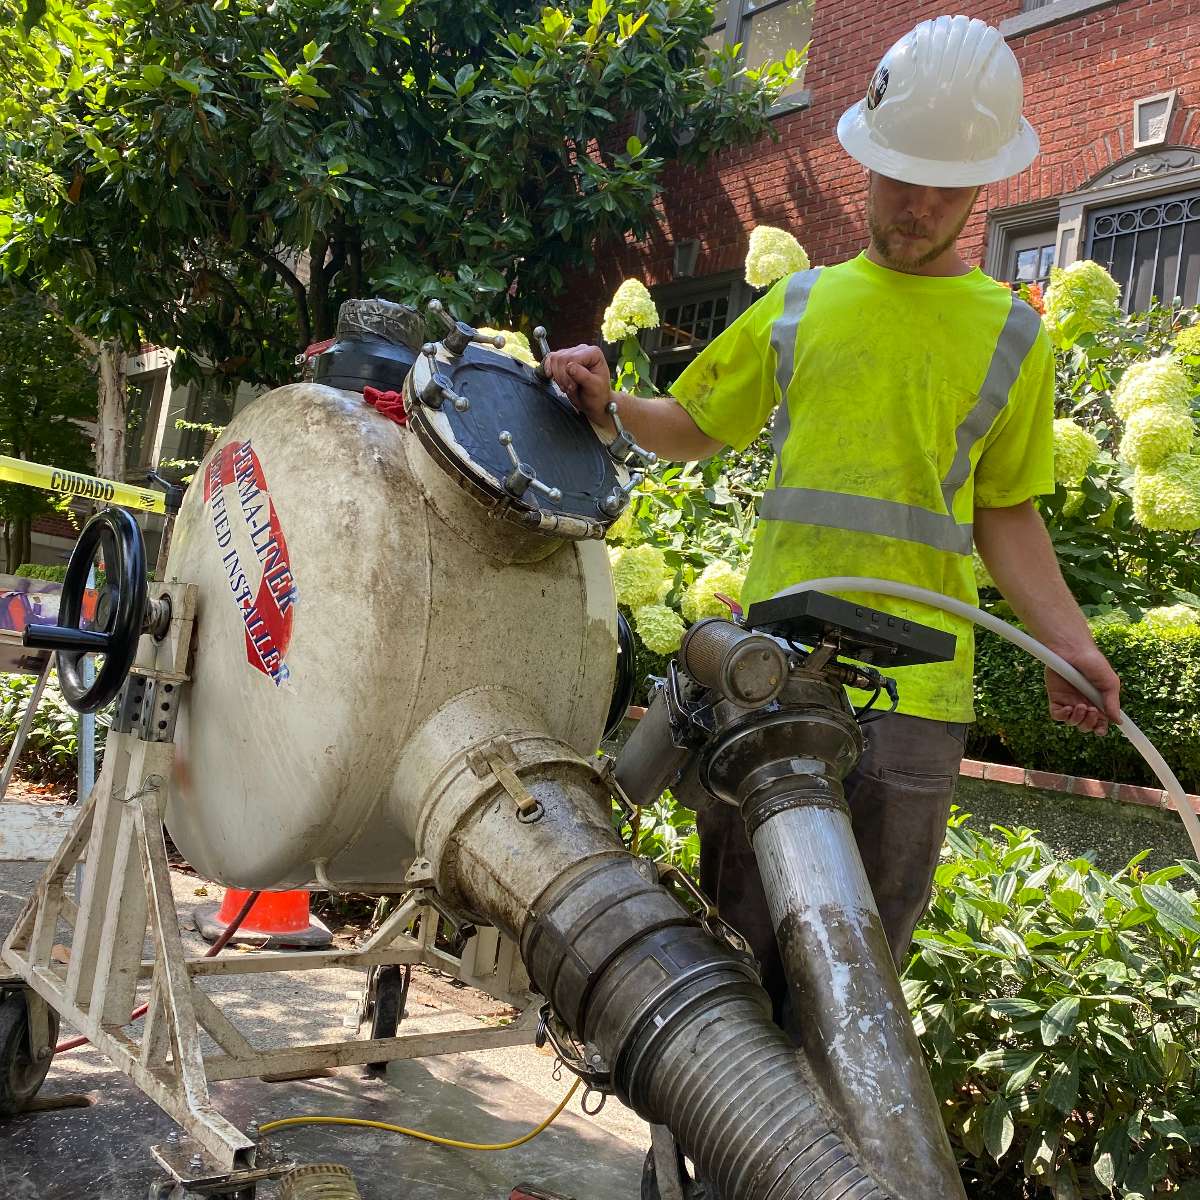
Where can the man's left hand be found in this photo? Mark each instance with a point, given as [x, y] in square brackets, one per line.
[1068, 704]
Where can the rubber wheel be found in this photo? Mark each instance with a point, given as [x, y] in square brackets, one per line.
[692, 1189]
[390, 985]
[20, 1075]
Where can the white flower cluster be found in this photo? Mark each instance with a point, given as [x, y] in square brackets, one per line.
[773, 254]
[632, 308]
[1075, 449]
[1176, 617]
[516, 344]
[1156, 381]
[700, 600]
[1081, 298]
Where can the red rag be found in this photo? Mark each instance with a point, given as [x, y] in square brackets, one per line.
[390, 404]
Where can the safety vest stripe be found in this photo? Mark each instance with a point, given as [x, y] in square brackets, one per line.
[866, 514]
[783, 342]
[1013, 345]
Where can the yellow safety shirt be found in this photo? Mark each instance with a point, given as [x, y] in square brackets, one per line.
[905, 401]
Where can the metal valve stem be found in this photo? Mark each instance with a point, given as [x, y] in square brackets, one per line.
[459, 335]
[521, 478]
[541, 348]
[623, 447]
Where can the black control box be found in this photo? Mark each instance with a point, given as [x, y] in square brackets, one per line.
[863, 633]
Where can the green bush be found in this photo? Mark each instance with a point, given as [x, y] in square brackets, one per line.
[1160, 689]
[56, 574]
[53, 742]
[1059, 1011]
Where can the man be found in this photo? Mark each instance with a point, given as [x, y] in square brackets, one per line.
[915, 406]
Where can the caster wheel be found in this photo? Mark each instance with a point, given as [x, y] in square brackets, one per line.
[21, 1074]
[387, 991]
[319, 1181]
[693, 1189]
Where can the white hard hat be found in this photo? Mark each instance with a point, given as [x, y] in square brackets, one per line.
[943, 109]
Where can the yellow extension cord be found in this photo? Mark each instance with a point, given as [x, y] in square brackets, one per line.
[416, 1133]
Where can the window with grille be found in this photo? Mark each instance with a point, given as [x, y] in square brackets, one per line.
[690, 316]
[766, 29]
[1152, 249]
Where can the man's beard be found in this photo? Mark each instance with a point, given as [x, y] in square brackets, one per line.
[881, 241]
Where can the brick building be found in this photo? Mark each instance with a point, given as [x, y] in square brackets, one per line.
[1111, 86]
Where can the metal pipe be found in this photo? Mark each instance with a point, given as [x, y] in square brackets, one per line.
[853, 1021]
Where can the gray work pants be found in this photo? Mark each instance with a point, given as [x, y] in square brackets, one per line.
[899, 796]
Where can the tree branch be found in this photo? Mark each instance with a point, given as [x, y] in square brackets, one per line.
[293, 281]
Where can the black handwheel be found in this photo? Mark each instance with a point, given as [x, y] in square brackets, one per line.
[120, 613]
[21, 1072]
[390, 992]
[623, 685]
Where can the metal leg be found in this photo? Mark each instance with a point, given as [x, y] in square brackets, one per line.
[26, 724]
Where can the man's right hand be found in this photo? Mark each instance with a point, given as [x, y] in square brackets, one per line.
[582, 373]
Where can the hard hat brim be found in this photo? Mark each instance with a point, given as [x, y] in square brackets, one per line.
[1014, 156]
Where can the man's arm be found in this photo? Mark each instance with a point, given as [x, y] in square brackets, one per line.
[1016, 549]
[657, 423]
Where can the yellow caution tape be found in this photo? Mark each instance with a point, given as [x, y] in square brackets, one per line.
[53, 479]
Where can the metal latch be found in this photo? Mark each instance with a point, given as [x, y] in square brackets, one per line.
[498, 758]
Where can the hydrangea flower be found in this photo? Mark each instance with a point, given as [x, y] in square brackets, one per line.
[1075, 449]
[1187, 341]
[659, 627]
[1169, 497]
[516, 344]
[632, 308]
[700, 599]
[773, 254]
[622, 527]
[638, 573]
[1081, 298]
[1172, 617]
[1156, 381]
[1155, 432]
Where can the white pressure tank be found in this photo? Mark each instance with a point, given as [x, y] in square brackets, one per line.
[349, 586]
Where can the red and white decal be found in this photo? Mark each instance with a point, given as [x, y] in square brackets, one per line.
[267, 610]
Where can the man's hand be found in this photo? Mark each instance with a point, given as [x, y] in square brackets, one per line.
[582, 373]
[1070, 705]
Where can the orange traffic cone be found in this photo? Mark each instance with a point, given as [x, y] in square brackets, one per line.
[275, 919]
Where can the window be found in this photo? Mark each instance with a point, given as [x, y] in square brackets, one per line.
[1030, 257]
[691, 315]
[766, 29]
[1152, 248]
[143, 412]
[202, 402]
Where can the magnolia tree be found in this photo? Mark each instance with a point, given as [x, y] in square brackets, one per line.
[218, 177]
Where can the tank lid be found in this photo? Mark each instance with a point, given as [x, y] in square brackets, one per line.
[397, 323]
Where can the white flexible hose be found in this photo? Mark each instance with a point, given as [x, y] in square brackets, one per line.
[904, 591]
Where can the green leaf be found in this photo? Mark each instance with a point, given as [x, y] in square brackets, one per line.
[1060, 1020]
[998, 1128]
[1062, 1091]
[633, 147]
[1022, 1075]
[1168, 903]
[337, 165]
[35, 10]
